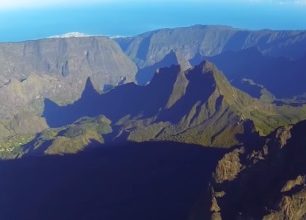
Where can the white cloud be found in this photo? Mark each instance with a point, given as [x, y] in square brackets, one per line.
[70, 35]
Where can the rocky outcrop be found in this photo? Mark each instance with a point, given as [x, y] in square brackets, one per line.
[264, 181]
[229, 166]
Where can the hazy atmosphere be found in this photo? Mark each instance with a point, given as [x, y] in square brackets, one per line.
[33, 19]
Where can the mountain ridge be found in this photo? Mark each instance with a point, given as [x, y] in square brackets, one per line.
[215, 42]
[65, 59]
[197, 105]
[177, 98]
[209, 41]
[56, 69]
[262, 181]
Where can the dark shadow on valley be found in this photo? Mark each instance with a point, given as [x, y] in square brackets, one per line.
[264, 70]
[250, 137]
[125, 100]
[266, 178]
[200, 88]
[147, 73]
[136, 101]
[158, 181]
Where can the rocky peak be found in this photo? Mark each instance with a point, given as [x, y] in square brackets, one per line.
[269, 187]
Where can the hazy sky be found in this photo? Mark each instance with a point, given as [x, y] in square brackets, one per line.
[32, 19]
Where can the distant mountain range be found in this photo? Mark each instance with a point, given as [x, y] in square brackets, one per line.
[275, 59]
[194, 106]
[177, 105]
[283, 77]
[69, 60]
[151, 47]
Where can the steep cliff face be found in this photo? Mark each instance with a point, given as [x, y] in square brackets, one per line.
[56, 69]
[197, 105]
[178, 105]
[263, 181]
[261, 56]
[263, 70]
[150, 48]
[69, 59]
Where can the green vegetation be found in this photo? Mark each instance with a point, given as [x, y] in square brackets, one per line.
[12, 147]
[217, 121]
[68, 139]
[215, 118]
[72, 138]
